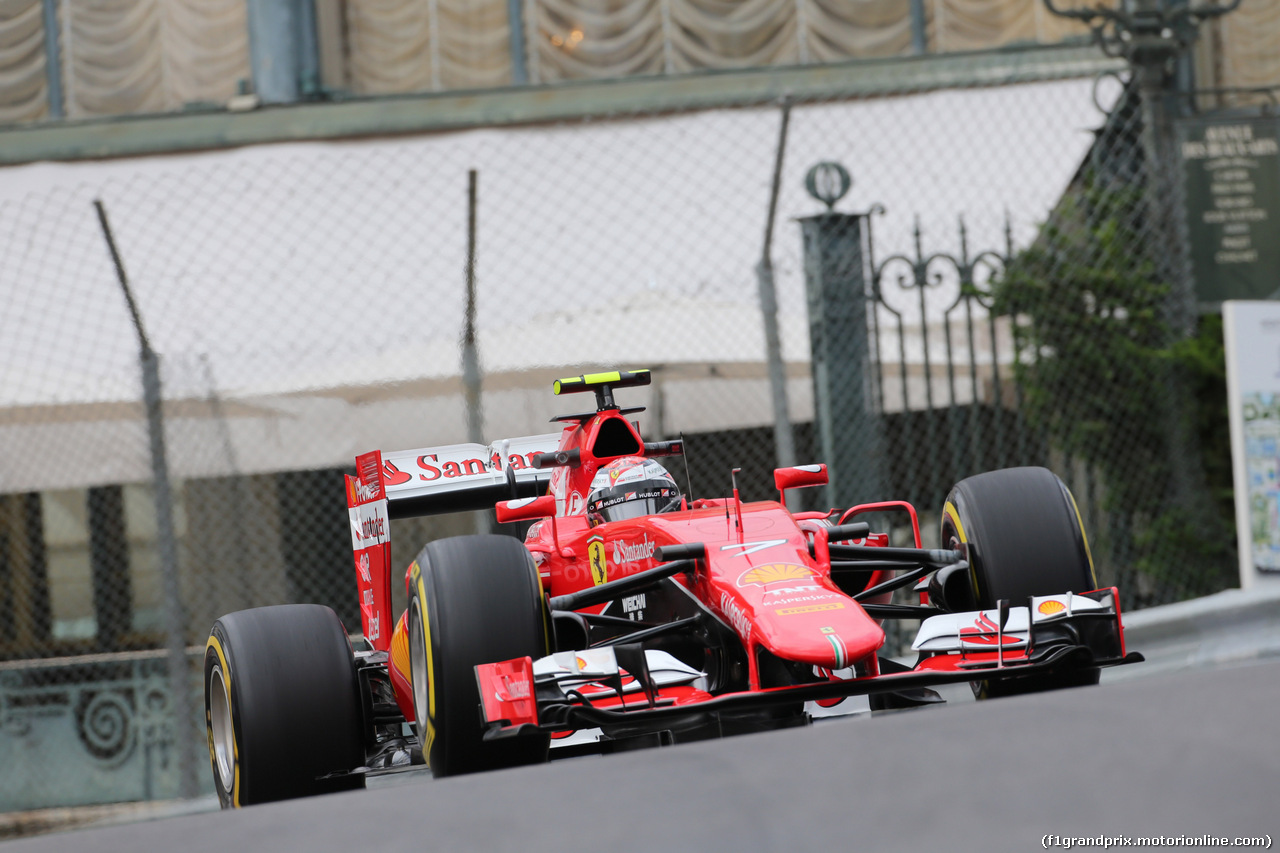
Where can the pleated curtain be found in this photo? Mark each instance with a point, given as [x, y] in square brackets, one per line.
[23, 83]
[1250, 38]
[139, 56]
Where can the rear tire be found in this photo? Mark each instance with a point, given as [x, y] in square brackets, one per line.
[1025, 538]
[282, 705]
[472, 600]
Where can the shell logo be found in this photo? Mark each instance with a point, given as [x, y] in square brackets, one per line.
[582, 664]
[774, 573]
[1050, 607]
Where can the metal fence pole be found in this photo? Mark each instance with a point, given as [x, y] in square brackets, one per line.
[275, 49]
[182, 710]
[470, 353]
[53, 58]
[307, 34]
[783, 439]
[919, 33]
[515, 24]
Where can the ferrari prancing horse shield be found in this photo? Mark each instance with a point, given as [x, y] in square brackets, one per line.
[599, 567]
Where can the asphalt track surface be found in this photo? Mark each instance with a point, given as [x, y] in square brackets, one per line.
[1194, 753]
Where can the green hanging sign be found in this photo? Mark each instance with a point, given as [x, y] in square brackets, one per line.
[1231, 172]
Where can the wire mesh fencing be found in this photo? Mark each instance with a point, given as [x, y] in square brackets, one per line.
[306, 303]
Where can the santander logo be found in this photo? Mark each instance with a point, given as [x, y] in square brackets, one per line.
[984, 633]
[624, 552]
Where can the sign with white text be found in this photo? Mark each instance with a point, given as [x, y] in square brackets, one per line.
[1231, 172]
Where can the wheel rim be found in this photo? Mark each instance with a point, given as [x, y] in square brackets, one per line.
[223, 731]
[418, 669]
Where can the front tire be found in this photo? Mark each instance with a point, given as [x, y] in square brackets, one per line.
[472, 600]
[1025, 538]
[282, 705]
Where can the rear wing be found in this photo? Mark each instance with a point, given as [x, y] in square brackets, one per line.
[454, 478]
[429, 481]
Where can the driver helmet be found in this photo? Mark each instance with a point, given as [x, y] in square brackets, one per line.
[631, 487]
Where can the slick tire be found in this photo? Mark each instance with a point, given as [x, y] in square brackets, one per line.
[282, 705]
[472, 600]
[1025, 538]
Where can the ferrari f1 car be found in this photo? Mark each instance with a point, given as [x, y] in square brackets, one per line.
[631, 615]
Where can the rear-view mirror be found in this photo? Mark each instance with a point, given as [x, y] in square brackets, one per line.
[800, 476]
[526, 509]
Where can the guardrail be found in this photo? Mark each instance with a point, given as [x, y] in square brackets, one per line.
[1232, 626]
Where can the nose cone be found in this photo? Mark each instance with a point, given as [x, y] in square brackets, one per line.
[834, 634]
[799, 615]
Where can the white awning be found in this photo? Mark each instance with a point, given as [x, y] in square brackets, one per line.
[306, 300]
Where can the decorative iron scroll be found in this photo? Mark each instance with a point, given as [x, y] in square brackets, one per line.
[86, 729]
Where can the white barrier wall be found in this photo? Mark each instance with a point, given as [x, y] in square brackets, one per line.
[1252, 339]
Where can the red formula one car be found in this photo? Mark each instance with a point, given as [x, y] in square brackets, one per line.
[634, 616]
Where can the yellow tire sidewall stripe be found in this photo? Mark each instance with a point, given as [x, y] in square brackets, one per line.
[235, 744]
[950, 511]
[430, 669]
[546, 628]
[1088, 553]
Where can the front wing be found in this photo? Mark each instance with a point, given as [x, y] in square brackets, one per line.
[575, 690]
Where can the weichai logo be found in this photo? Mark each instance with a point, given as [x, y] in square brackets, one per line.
[774, 573]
